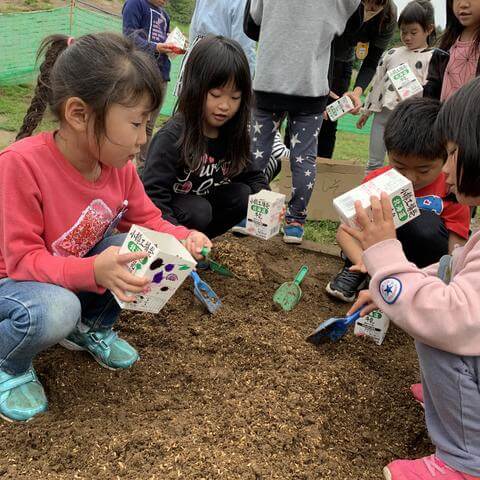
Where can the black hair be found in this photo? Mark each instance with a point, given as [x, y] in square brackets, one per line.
[213, 62]
[410, 132]
[387, 14]
[453, 30]
[101, 69]
[421, 12]
[458, 122]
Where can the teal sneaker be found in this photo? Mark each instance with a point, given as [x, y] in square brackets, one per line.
[105, 346]
[21, 396]
[293, 233]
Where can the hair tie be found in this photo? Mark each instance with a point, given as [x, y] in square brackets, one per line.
[70, 41]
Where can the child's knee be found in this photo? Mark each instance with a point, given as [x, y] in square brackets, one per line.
[60, 316]
[200, 218]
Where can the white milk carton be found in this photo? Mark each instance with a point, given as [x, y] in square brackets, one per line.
[167, 265]
[374, 325]
[178, 42]
[404, 81]
[264, 214]
[398, 188]
[339, 108]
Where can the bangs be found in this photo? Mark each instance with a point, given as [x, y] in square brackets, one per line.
[139, 78]
[413, 13]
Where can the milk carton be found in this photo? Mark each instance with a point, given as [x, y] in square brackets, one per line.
[167, 265]
[374, 325]
[404, 81]
[339, 108]
[398, 188]
[177, 41]
[264, 214]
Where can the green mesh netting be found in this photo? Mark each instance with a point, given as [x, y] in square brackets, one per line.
[21, 34]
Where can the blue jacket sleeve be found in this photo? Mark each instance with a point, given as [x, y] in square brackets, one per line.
[133, 27]
[237, 11]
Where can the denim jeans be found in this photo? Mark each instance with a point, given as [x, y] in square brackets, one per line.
[34, 315]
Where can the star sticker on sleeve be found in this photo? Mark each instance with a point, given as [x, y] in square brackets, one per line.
[294, 140]
[310, 186]
[308, 173]
[299, 159]
[388, 289]
[257, 127]
[258, 154]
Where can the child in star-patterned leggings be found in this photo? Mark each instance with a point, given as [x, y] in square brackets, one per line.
[303, 145]
[295, 84]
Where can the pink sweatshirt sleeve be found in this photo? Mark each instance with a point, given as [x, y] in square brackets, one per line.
[21, 233]
[142, 211]
[443, 316]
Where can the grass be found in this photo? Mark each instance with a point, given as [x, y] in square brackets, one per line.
[26, 5]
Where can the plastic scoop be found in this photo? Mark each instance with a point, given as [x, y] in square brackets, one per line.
[289, 294]
[214, 266]
[333, 329]
[205, 294]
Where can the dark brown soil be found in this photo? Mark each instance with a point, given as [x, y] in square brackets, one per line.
[238, 395]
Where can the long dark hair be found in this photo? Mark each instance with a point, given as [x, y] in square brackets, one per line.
[421, 12]
[458, 122]
[453, 30]
[214, 62]
[101, 69]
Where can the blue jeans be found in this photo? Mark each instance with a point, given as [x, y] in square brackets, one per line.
[34, 315]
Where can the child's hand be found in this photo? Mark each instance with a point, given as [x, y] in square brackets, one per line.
[377, 229]
[164, 47]
[110, 272]
[195, 242]
[364, 298]
[362, 121]
[358, 267]
[356, 100]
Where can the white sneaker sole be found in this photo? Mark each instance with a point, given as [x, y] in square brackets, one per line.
[292, 240]
[387, 474]
[339, 295]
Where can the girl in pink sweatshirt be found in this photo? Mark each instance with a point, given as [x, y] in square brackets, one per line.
[438, 306]
[62, 195]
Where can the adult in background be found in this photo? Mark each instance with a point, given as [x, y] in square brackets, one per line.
[148, 24]
[366, 44]
[222, 17]
[291, 78]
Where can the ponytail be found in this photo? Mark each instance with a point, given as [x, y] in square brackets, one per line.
[52, 47]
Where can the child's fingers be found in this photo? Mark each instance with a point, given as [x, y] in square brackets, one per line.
[386, 207]
[130, 287]
[362, 218]
[354, 232]
[132, 280]
[121, 295]
[131, 257]
[377, 210]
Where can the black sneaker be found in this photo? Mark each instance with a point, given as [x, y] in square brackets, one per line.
[346, 284]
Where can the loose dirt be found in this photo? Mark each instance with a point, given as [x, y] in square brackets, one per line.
[237, 395]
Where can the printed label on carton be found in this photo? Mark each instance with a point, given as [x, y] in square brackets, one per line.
[374, 325]
[398, 188]
[177, 41]
[167, 265]
[404, 81]
[339, 108]
[264, 214]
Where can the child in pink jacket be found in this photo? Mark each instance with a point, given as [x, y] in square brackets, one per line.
[438, 306]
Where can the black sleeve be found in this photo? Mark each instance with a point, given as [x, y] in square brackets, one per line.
[254, 178]
[161, 168]
[354, 23]
[436, 69]
[369, 67]
[378, 43]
